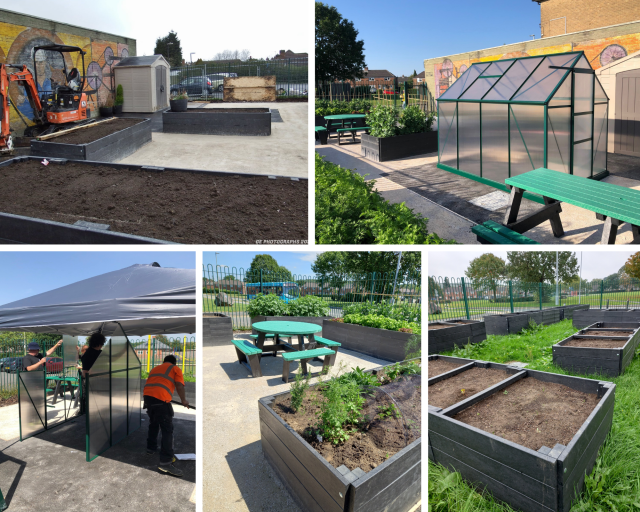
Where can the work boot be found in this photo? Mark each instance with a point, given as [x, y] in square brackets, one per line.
[170, 469]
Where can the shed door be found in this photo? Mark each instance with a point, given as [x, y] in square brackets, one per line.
[161, 86]
[627, 125]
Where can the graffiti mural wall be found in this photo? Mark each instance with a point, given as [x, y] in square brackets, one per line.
[599, 52]
[16, 47]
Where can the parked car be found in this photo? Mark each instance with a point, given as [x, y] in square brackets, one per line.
[193, 85]
[54, 364]
[217, 82]
[8, 364]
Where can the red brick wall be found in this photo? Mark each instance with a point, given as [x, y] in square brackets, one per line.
[585, 14]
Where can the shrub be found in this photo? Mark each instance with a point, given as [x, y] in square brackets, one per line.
[267, 305]
[381, 322]
[383, 121]
[119, 95]
[299, 389]
[413, 120]
[403, 312]
[309, 305]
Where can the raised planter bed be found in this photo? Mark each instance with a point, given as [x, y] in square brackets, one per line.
[401, 146]
[317, 486]
[218, 121]
[125, 203]
[217, 329]
[582, 319]
[535, 478]
[438, 365]
[604, 347]
[569, 311]
[444, 336]
[380, 343]
[107, 141]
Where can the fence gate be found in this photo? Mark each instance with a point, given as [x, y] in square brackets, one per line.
[162, 89]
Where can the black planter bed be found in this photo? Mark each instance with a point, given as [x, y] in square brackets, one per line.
[316, 486]
[218, 121]
[401, 146]
[547, 479]
[457, 361]
[460, 333]
[217, 329]
[610, 361]
[111, 148]
[582, 319]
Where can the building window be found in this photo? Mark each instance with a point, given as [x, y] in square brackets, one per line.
[371, 79]
[419, 80]
[386, 78]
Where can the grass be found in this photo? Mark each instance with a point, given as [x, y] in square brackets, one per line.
[614, 483]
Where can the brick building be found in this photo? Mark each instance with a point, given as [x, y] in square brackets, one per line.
[378, 78]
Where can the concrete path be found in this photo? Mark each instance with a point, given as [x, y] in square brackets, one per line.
[236, 476]
[283, 153]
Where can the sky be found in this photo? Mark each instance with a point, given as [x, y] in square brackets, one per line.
[400, 36]
[298, 263]
[28, 273]
[204, 27]
[595, 264]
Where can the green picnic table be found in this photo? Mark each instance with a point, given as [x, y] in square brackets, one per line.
[342, 118]
[291, 329]
[611, 203]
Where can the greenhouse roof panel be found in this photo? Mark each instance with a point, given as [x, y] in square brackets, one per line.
[546, 78]
[468, 77]
[513, 79]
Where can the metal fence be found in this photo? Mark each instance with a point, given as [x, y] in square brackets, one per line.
[240, 285]
[473, 299]
[292, 76]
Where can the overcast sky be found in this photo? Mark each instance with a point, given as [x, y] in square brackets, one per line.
[595, 264]
[263, 28]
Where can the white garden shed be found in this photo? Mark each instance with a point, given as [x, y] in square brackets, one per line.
[145, 83]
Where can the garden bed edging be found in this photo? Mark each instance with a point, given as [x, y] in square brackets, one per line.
[217, 329]
[442, 340]
[379, 149]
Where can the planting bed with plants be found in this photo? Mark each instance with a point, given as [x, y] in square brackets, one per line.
[218, 121]
[454, 333]
[178, 205]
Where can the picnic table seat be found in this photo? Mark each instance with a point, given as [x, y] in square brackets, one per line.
[322, 134]
[62, 381]
[490, 232]
[303, 356]
[332, 345]
[345, 131]
[248, 356]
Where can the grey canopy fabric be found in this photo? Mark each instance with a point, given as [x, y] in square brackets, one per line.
[144, 299]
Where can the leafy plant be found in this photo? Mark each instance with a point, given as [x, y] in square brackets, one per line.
[383, 121]
[267, 305]
[381, 322]
[119, 95]
[413, 120]
[342, 407]
[405, 312]
[298, 389]
[389, 411]
[360, 377]
[179, 95]
[309, 305]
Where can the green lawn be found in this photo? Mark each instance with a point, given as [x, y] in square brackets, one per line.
[614, 484]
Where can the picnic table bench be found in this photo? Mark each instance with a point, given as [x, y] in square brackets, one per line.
[611, 203]
[248, 356]
[322, 134]
[304, 356]
[352, 131]
[490, 232]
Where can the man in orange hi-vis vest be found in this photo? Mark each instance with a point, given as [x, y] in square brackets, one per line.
[162, 382]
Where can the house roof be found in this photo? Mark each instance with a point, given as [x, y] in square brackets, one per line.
[290, 55]
[379, 73]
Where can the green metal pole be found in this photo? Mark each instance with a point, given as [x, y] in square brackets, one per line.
[540, 295]
[601, 292]
[466, 300]
[511, 295]
[3, 504]
[373, 283]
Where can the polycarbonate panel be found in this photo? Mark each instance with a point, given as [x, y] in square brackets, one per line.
[119, 401]
[118, 353]
[599, 94]
[98, 391]
[582, 159]
[582, 93]
[513, 79]
[479, 88]
[447, 134]
[70, 350]
[527, 138]
[495, 142]
[101, 364]
[583, 63]
[582, 127]
[497, 68]
[559, 139]
[458, 87]
[600, 139]
[563, 95]
[32, 403]
[135, 413]
[543, 81]
[469, 137]
[132, 359]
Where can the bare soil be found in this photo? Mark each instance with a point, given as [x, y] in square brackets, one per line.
[464, 385]
[13, 399]
[594, 343]
[459, 322]
[183, 207]
[434, 327]
[232, 110]
[532, 413]
[440, 366]
[596, 332]
[92, 133]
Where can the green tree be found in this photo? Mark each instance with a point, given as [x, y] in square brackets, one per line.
[540, 266]
[632, 266]
[434, 288]
[612, 282]
[271, 271]
[339, 54]
[229, 277]
[415, 73]
[487, 270]
[172, 52]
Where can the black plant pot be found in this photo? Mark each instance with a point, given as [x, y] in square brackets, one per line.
[106, 111]
[117, 110]
[178, 105]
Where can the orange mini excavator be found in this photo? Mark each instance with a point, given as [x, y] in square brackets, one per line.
[55, 107]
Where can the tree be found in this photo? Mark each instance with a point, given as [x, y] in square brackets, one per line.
[434, 288]
[612, 282]
[415, 73]
[540, 267]
[232, 55]
[632, 266]
[172, 52]
[339, 54]
[487, 270]
[271, 271]
[410, 84]
[229, 277]
[362, 263]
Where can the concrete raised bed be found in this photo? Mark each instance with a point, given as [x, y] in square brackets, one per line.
[217, 329]
[111, 148]
[531, 481]
[380, 343]
[212, 122]
[582, 319]
[608, 361]
[317, 486]
[442, 340]
[401, 146]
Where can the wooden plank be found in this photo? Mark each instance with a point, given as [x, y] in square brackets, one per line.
[75, 128]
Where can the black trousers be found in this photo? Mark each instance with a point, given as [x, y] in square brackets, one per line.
[161, 419]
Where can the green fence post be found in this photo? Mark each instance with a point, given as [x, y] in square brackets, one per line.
[466, 300]
[260, 280]
[540, 295]
[511, 295]
[601, 292]
[373, 284]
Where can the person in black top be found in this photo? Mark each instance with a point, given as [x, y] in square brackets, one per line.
[34, 360]
[96, 342]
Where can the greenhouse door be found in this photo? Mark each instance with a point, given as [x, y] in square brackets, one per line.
[583, 84]
[627, 131]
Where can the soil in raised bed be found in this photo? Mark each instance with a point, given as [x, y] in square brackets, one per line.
[440, 366]
[594, 343]
[607, 333]
[532, 413]
[183, 207]
[366, 448]
[229, 110]
[433, 327]
[94, 132]
[464, 385]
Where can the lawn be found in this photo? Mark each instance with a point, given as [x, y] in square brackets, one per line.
[614, 484]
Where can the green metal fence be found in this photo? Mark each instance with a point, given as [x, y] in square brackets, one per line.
[228, 290]
[473, 299]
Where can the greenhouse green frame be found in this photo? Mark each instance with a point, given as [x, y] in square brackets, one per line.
[507, 117]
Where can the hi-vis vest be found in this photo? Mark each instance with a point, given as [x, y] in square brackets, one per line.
[159, 384]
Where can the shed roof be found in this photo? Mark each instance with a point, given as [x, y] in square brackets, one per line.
[145, 60]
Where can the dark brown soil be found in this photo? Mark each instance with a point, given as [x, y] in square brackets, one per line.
[13, 399]
[433, 327]
[464, 385]
[366, 448]
[532, 413]
[190, 208]
[594, 343]
[292, 100]
[94, 132]
[440, 366]
[459, 322]
[607, 333]
[232, 110]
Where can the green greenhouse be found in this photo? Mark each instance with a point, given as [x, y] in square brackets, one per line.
[508, 117]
